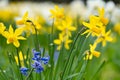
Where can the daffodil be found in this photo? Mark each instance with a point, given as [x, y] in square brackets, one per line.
[57, 13]
[23, 20]
[13, 36]
[29, 24]
[117, 28]
[104, 37]
[93, 26]
[66, 26]
[2, 28]
[62, 40]
[101, 16]
[92, 52]
[21, 57]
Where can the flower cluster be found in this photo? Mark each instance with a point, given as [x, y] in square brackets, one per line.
[38, 61]
[64, 25]
[97, 28]
[29, 25]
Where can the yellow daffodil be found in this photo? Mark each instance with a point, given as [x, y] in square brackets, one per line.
[117, 28]
[92, 50]
[57, 13]
[29, 24]
[13, 37]
[66, 26]
[89, 54]
[2, 28]
[59, 41]
[92, 26]
[21, 59]
[23, 20]
[104, 37]
[101, 16]
[62, 39]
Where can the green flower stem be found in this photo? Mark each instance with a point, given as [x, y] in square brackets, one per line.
[70, 54]
[51, 50]
[29, 74]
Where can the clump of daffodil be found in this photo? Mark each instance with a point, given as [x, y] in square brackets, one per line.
[117, 28]
[13, 36]
[65, 33]
[97, 28]
[2, 28]
[21, 57]
[28, 24]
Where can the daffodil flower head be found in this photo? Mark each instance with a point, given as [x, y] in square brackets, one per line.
[92, 26]
[92, 50]
[13, 37]
[23, 20]
[105, 36]
[57, 13]
[101, 16]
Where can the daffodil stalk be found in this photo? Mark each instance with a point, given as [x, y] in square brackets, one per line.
[36, 37]
[70, 54]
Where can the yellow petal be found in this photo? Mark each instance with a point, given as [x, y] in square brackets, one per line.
[10, 29]
[18, 31]
[8, 41]
[96, 53]
[21, 56]
[57, 41]
[16, 43]
[21, 38]
[16, 59]
[72, 28]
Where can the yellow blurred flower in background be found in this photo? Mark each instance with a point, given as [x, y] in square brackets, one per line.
[101, 16]
[117, 28]
[23, 20]
[2, 28]
[21, 57]
[57, 13]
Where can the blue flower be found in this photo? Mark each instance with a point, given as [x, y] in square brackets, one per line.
[37, 66]
[24, 71]
[45, 59]
[36, 55]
